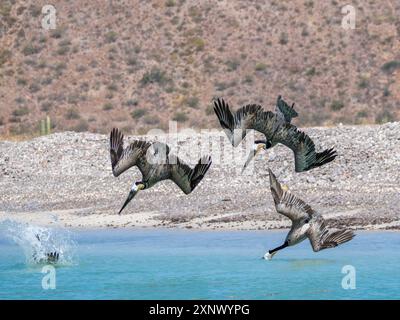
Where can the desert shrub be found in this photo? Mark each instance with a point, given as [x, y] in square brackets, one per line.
[107, 106]
[46, 106]
[4, 56]
[35, 10]
[209, 110]
[170, 3]
[34, 87]
[248, 79]
[30, 49]
[151, 120]
[283, 38]
[1, 121]
[46, 81]
[386, 92]
[391, 66]
[310, 72]
[61, 51]
[221, 86]
[57, 33]
[155, 75]
[19, 100]
[180, 117]
[81, 68]
[362, 114]
[138, 113]
[195, 14]
[112, 87]
[72, 114]
[260, 66]
[81, 126]
[232, 64]
[196, 43]
[131, 61]
[60, 66]
[384, 116]
[131, 103]
[192, 102]
[20, 112]
[22, 82]
[363, 83]
[111, 36]
[337, 105]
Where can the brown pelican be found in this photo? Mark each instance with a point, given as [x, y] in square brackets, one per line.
[155, 163]
[51, 257]
[306, 223]
[276, 128]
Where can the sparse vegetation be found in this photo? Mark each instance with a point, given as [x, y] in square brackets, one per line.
[192, 102]
[180, 117]
[260, 66]
[283, 38]
[170, 3]
[197, 44]
[155, 76]
[138, 113]
[30, 49]
[20, 112]
[384, 116]
[72, 114]
[5, 54]
[108, 106]
[81, 126]
[232, 64]
[391, 66]
[337, 105]
[131, 103]
[111, 36]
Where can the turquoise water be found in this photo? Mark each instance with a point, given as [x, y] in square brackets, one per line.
[174, 264]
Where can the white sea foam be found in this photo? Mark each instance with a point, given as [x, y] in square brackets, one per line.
[37, 242]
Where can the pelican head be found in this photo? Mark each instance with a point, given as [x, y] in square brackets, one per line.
[257, 147]
[271, 253]
[136, 187]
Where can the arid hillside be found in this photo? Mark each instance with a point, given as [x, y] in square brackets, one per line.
[138, 64]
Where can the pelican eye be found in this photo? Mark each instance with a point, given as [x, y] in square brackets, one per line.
[307, 220]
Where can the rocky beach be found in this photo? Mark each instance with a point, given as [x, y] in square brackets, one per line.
[66, 179]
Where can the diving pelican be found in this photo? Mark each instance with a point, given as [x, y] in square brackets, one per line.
[276, 128]
[306, 223]
[155, 163]
[51, 257]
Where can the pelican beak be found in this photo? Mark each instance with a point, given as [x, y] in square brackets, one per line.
[268, 256]
[252, 154]
[131, 195]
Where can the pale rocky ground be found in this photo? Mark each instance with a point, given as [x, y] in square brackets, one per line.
[66, 178]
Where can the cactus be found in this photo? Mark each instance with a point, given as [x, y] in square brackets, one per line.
[48, 125]
[45, 126]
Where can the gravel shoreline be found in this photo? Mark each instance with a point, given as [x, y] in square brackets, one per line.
[65, 178]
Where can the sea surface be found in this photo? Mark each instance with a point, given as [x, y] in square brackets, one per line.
[187, 264]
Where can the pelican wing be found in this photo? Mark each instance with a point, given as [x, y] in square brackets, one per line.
[288, 204]
[235, 125]
[321, 237]
[187, 178]
[306, 157]
[123, 159]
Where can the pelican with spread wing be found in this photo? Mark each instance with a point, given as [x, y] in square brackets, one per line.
[276, 127]
[306, 223]
[155, 163]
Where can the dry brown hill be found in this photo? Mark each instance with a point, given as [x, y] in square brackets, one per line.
[137, 64]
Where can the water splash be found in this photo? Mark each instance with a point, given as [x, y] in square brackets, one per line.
[37, 242]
